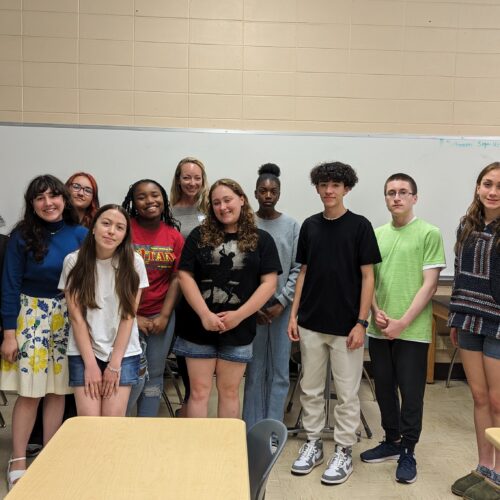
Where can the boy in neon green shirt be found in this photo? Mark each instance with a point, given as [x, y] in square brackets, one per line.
[401, 325]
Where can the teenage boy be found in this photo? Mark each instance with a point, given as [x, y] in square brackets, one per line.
[334, 289]
[401, 325]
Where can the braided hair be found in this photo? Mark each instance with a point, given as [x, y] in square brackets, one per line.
[166, 216]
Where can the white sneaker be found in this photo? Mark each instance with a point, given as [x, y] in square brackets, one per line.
[339, 466]
[310, 455]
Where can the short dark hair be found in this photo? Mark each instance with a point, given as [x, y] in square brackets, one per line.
[334, 171]
[402, 177]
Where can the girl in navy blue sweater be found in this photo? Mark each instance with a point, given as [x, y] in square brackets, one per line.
[34, 313]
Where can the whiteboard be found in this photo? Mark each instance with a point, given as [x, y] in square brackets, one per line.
[445, 168]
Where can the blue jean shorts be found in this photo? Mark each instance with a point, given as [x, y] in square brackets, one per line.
[129, 374]
[236, 353]
[489, 346]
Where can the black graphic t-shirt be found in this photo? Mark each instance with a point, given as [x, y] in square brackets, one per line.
[226, 278]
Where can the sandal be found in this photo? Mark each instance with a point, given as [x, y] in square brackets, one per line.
[14, 475]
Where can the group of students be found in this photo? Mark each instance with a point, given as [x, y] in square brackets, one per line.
[96, 311]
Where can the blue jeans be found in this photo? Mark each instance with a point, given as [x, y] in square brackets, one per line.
[267, 377]
[147, 393]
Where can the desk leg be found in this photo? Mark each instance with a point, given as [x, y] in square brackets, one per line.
[431, 355]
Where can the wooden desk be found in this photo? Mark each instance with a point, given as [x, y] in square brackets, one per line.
[104, 458]
[493, 436]
[440, 307]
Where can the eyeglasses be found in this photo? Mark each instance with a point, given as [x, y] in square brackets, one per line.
[402, 194]
[78, 187]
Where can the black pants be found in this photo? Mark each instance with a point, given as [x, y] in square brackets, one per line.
[400, 364]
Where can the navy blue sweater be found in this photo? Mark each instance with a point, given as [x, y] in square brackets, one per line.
[22, 274]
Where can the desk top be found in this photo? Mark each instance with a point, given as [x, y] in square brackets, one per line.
[135, 458]
[493, 436]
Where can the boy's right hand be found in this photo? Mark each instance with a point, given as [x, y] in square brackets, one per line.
[293, 329]
[381, 319]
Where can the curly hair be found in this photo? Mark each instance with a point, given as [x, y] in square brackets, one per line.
[335, 172]
[166, 216]
[81, 281]
[32, 228]
[175, 189]
[91, 210]
[212, 230]
[473, 220]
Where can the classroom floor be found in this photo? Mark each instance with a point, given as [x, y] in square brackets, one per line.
[447, 450]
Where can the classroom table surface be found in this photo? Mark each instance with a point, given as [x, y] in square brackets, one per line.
[135, 458]
[493, 436]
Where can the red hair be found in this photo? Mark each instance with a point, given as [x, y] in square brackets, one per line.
[94, 204]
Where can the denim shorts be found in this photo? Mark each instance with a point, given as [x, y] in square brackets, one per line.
[236, 353]
[129, 374]
[489, 346]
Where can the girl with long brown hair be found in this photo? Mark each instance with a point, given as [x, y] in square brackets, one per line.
[34, 313]
[102, 282]
[228, 271]
[475, 325]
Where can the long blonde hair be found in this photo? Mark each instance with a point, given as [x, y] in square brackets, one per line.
[473, 220]
[212, 230]
[175, 189]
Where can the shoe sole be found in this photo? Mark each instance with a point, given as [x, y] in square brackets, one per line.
[404, 481]
[303, 472]
[379, 460]
[336, 481]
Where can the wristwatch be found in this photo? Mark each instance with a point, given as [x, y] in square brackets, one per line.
[363, 322]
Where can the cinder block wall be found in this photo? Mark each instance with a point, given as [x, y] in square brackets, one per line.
[401, 66]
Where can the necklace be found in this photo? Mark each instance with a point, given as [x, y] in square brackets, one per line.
[333, 218]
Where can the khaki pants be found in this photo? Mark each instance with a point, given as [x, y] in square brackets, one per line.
[347, 368]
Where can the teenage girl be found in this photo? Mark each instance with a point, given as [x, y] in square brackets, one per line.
[84, 196]
[228, 271]
[189, 199]
[475, 325]
[34, 313]
[267, 377]
[102, 283]
[157, 240]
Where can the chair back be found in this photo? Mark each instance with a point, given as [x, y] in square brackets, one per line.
[265, 442]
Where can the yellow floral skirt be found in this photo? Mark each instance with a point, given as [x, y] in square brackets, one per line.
[42, 337]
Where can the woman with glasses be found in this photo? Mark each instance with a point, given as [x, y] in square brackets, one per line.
[475, 325]
[84, 196]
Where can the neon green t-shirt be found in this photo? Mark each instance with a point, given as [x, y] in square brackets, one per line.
[406, 252]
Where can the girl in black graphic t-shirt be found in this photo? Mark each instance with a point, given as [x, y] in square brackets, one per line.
[228, 271]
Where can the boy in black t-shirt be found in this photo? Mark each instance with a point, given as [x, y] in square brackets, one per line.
[333, 294]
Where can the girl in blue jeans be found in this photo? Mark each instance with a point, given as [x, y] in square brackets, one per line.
[267, 377]
[156, 238]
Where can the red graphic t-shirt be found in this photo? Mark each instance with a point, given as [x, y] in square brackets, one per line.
[161, 250]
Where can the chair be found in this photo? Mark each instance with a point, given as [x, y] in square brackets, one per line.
[3, 403]
[265, 442]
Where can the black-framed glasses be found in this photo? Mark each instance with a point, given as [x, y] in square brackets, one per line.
[402, 194]
[78, 187]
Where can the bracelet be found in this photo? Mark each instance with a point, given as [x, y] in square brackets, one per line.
[114, 370]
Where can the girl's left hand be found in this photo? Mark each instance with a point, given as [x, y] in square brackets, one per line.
[231, 319]
[110, 383]
[158, 324]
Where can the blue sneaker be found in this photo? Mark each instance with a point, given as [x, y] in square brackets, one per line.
[407, 467]
[386, 450]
